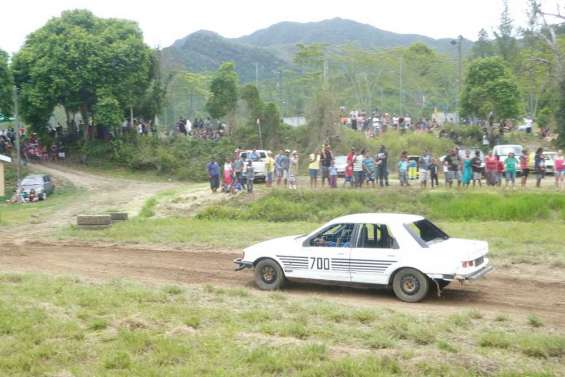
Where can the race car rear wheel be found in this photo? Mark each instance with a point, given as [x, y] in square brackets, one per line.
[410, 285]
[269, 275]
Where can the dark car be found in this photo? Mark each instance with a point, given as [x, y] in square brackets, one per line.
[40, 183]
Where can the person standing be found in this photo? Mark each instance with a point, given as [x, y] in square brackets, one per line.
[333, 175]
[348, 175]
[499, 170]
[269, 169]
[214, 175]
[293, 171]
[467, 169]
[539, 166]
[403, 170]
[278, 167]
[249, 175]
[452, 167]
[228, 176]
[524, 166]
[238, 168]
[382, 166]
[510, 167]
[285, 165]
[425, 162]
[477, 169]
[559, 169]
[491, 167]
[358, 169]
[434, 171]
[326, 161]
[314, 168]
[369, 170]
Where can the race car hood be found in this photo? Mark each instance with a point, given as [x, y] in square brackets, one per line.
[281, 243]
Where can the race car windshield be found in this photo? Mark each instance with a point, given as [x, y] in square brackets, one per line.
[426, 233]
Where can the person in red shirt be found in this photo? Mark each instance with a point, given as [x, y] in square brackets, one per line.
[491, 169]
[499, 170]
[348, 174]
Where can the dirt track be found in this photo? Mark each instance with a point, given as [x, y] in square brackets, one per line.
[521, 291]
[502, 292]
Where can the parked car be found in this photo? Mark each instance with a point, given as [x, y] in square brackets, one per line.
[341, 164]
[40, 183]
[407, 253]
[258, 162]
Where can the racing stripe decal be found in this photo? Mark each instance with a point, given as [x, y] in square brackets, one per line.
[361, 265]
[291, 262]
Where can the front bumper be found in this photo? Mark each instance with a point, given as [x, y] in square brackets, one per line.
[476, 274]
[241, 265]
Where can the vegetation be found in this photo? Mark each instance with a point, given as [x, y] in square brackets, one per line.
[6, 89]
[82, 63]
[59, 326]
[320, 206]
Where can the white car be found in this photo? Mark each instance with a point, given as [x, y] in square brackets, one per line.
[405, 252]
[258, 157]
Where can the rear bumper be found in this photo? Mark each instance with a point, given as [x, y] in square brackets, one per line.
[476, 274]
[242, 264]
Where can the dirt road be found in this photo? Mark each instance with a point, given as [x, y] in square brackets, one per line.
[520, 292]
[98, 194]
[501, 292]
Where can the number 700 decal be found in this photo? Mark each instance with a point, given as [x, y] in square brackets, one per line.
[320, 263]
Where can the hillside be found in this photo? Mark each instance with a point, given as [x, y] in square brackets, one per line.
[272, 48]
[206, 51]
[337, 31]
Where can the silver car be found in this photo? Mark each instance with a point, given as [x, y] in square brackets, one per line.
[40, 183]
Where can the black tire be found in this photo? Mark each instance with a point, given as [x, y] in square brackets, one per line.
[268, 275]
[410, 285]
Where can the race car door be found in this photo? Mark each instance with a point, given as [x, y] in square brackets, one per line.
[328, 253]
[373, 255]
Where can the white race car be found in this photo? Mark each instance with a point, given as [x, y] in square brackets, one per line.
[405, 252]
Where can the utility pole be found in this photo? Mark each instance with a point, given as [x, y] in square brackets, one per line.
[400, 88]
[18, 151]
[260, 133]
[459, 43]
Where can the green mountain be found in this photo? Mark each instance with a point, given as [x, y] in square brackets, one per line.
[272, 48]
[205, 51]
[338, 31]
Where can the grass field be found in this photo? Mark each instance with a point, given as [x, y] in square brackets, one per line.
[239, 223]
[68, 327]
[30, 213]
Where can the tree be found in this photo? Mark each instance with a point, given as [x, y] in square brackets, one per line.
[224, 93]
[490, 91]
[323, 118]
[505, 41]
[6, 85]
[73, 57]
[483, 47]
[549, 36]
[108, 111]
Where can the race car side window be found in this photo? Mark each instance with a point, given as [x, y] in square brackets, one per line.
[426, 233]
[338, 235]
[375, 236]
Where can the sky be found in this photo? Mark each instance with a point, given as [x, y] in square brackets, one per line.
[165, 21]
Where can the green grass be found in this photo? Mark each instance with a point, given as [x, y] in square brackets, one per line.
[321, 206]
[64, 326]
[522, 247]
[187, 231]
[30, 213]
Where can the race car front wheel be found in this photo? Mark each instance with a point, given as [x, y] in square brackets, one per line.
[410, 285]
[269, 275]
